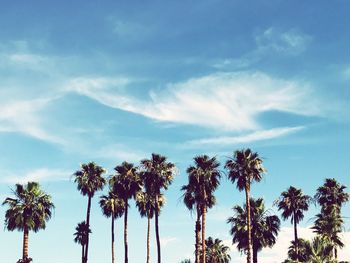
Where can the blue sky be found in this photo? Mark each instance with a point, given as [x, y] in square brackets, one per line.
[118, 80]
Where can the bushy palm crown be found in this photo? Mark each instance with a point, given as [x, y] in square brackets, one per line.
[203, 180]
[82, 230]
[126, 181]
[303, 253]
[146, 204]
[292, 203]
[157, 173]
[245, 167]
[89, 179]
[216, 251]
[265, 227]
[112, 204]
[331, 195]
[30, 208]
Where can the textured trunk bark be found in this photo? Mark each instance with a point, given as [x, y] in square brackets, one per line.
[296, 238]
[25, 242]
[204, 213]
[87, 234]
[198, 237]
[247, 196]
[112, 230]
[126, 232]
[157, 230]
[148, 237]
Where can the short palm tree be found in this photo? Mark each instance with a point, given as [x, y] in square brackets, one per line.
[112, 206]
[293, 204]
[203, 180]
[126, 183]
[146, 206]
[80, 236]
[157, 174]
[216, 251]
[303, 252]
[27, 211]
[89, 180]
[265, 227]
[244, 168]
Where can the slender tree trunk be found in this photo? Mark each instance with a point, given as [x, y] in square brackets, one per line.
[157, 229]
[82, 253]
[204, 213]
[148, 237]
[247, 196]
[198, 237]
[126, 232]
[25, 242]
[88, 226]
[112, 230]
[296, 238]
[336, 254]
[255, 254]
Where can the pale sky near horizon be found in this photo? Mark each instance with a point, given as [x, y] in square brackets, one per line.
[109, 81]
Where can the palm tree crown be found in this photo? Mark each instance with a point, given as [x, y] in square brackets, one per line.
[216, 251]
[112, 205]
[89, 179]
[80, 236]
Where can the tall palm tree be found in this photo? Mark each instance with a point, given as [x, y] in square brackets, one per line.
[112, 206]
[27, 211]
[126, 183]
[245, 167]
[265, 227]
[328, 227]
[293, 204]
[216, 251]
[331, 196]
[157, 174]
[89, 180]
[80, 236]
[146, 206]
[203, 180]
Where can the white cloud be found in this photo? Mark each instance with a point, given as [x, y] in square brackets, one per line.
[23, 117]
[165, 241]
[291, 42]
[119, 152]
[251, 137]
[38, 175]
[223, 101]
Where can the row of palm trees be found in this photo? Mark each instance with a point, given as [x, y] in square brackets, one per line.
[252, 226]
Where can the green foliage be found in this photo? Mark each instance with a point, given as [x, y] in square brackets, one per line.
[89, 179]
[81, 234]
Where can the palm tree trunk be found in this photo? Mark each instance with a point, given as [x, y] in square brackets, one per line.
[126, 231]
[247, 196]
[25, 242]
[148, 237]
[296, 238]
[87, 234]
[336, 254]
[198, 237]
[204, 213]
[112, 230]
[82, 253]
[255, 254]
[157, 229]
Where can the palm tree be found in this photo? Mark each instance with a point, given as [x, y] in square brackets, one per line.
[203, 180]
[186, 261]
[81, 233]
[303, 252]
[245, 167]
[126, 183]
[112, 206]
[89, 180]
[28, 211]
[264, 229]
[146, 206]
[157, 174]
[293, 204]
[331, 197]
[328, 227]
[216, 251]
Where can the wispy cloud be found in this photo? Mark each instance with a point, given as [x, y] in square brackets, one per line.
[165, 241]
[37, 175]
[246, 138]
[223, 101]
